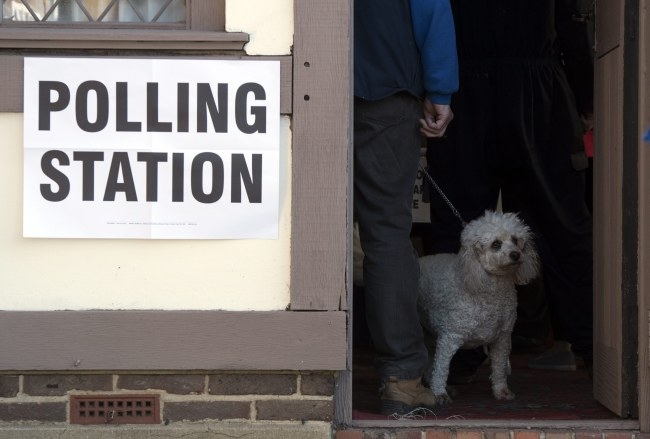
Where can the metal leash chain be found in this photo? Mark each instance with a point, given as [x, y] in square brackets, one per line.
[444, 197]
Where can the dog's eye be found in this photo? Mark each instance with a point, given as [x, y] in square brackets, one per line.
[496, 245]
[515, 241]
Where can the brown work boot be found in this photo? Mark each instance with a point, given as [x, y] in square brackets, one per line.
[404, 396]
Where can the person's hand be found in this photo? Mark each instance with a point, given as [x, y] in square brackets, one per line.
[436, 118]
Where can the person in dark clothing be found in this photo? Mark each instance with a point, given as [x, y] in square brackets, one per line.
[526, 74]
[405, 71]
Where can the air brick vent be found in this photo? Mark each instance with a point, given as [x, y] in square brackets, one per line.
[114, 409]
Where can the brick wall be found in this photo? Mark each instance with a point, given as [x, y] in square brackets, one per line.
[183, 397]
[241, 396]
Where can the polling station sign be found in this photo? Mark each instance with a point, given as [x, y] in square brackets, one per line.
[151, 148]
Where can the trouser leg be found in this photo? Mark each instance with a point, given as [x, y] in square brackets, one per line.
[386, 155]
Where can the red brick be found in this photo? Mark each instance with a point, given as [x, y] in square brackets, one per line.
[43, 412]
[408, 435]
[57, 385]
[285, 410]
[176, 384]
[439, 433]
[469, 434]
[8, 386]
[521, 434]
[496, 434]
[378, 434]
[619, 435]
[317, 384]
[200, 410]
[349, 434]
[558, 435]
[588, 435]
[253, 384]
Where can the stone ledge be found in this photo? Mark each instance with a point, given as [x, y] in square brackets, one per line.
[208, 430]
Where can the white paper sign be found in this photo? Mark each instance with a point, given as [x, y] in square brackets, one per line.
[151, 148]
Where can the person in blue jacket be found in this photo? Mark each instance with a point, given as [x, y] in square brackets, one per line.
[405, 71]
[526, 76]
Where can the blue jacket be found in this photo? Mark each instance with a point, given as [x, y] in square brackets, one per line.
[402, 45]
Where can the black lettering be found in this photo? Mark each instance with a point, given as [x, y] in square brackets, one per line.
[122, 109]
[217, 177]
[240, 172]
[120, 161]
[88, 159]
[153, 124]
[258, 112]
[82, 106]
[57, 176]
[178, 174]
[152, 159]
[205, 102]
[46, 105]
[183, 108]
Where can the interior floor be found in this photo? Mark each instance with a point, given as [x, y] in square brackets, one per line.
[540, 394]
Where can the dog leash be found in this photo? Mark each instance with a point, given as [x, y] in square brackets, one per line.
[444, 197]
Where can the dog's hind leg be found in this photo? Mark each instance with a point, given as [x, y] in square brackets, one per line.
[499, 354]
[446, 347]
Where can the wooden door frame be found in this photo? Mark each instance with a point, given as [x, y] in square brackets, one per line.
[630, 199]
[633, 304]
[644, 218]
[615, 207]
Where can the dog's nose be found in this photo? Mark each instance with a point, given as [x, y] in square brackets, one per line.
[514, 255]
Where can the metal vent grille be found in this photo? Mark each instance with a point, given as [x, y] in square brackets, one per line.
[114, 409]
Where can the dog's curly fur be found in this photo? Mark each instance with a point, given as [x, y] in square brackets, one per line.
[469, 299]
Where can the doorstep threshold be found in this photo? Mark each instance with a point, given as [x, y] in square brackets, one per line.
[546, 424]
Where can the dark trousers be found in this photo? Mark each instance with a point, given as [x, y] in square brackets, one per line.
[386, 154]
[515, 132]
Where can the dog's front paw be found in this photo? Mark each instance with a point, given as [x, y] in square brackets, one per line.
[443, 399]
[504, 393]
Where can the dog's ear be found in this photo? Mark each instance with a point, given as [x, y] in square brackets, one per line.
[477, 249]
[470, 270]
[529, 268]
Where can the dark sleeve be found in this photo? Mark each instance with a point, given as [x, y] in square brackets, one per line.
[575, 45]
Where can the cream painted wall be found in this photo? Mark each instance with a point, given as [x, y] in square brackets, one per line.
[62, 274]
[59, 274]
[270, 27]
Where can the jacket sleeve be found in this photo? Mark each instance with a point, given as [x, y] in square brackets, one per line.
[433, 26]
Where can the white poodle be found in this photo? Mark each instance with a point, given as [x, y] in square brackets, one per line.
[469, 299]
